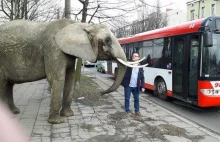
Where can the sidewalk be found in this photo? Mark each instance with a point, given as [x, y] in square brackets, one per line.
[103, 123]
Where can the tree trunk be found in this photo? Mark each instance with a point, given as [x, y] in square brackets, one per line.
[25, 10]
[67, 9]
[79, 62]
[84, 11]
[12, 10]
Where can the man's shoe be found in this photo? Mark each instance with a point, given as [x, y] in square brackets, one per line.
[138, 114]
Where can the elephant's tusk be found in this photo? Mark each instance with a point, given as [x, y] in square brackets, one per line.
[129, 65]
[136, 61]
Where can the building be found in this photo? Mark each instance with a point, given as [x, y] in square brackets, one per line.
[197, 9]
[175, 16]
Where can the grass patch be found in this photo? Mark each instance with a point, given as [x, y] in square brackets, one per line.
[117, 116]
[110, 138]
[158, 132]
[90, 91]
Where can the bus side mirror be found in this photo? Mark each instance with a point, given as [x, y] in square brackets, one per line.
[207, 39]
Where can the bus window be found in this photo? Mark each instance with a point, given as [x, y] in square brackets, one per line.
[126, 49]
[194, 53]
[164, 54]
[211, 59]
[193, 64]
[147, 51]
[157, 53]
[129, 49]
[140, 49]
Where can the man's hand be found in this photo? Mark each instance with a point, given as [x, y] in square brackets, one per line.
[142, 89]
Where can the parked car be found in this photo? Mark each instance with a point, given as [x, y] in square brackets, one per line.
[89, 64]
[102, 66]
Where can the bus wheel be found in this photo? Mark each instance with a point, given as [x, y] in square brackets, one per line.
[161, 89]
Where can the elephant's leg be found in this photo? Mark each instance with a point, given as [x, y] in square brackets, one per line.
[68, 92]
[55, 103]
[56, 79]
[3, 84]
[10, 99]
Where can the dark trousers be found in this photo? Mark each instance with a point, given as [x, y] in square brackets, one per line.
[127, 92]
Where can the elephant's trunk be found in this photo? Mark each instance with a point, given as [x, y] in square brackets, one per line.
[120, 75]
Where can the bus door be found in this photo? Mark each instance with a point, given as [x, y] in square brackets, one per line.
[180, 67]
[193, 65]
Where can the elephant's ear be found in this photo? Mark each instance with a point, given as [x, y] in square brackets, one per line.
[73, 40]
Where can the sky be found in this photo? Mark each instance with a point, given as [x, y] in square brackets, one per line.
[172, 4]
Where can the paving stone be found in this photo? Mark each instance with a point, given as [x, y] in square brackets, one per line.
[176, 139]
[62, 125]
[209, 139]
[41, 133]
[180, 124]
[67, 139]
[170, 119]
[35, 140]
[194, 131]
[156, 123]
[61, 130]
[45, 140]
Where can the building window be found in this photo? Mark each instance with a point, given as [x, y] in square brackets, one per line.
[203, 12]
[192, 14]
[213, 9]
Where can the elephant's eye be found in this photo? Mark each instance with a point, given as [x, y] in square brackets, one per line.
[108, 41]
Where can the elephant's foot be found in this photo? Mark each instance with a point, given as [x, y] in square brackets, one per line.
[55, 119]
[66, 112]
[14, 109]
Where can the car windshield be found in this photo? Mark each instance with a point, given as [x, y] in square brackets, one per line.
[211, 58]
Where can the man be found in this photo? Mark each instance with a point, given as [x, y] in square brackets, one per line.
[131, 83]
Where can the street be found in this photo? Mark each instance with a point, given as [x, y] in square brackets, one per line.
[206, 117]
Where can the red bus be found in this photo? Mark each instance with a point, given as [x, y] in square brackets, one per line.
[184, 60]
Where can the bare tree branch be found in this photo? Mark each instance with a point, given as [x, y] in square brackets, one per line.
[29, 9]
[4, 9]
[94, 13]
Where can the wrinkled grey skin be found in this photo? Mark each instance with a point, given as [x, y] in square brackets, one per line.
[31, 51]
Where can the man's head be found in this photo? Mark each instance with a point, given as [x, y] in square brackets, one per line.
[135, 56]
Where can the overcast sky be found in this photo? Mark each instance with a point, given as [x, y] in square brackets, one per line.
[173, 4]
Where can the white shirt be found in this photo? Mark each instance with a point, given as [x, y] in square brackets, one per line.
[134, 77]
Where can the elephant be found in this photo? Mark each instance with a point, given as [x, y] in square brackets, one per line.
[31, 51]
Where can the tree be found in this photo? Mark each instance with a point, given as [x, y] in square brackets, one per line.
[103, 11]
[150, 18]
[39, 10]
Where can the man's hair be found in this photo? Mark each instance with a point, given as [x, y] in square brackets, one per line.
[136, 53]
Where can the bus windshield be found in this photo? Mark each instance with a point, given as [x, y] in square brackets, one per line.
[211, 58]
